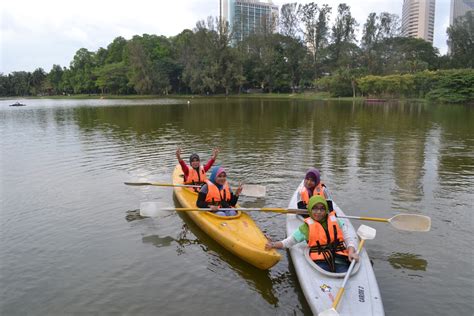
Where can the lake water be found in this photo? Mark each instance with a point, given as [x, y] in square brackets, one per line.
[70, 242]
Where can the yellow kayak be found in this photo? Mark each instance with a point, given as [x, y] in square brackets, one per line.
[239, 234]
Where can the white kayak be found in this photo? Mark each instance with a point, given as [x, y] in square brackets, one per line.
[320, 287]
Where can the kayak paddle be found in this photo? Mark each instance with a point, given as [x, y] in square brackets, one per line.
[365, 233]
[252, 190]
[153, 209]
[408, 222]
[162, 184]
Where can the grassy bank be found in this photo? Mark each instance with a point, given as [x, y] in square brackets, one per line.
[299, 96]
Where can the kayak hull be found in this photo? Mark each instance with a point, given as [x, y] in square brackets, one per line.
[238, 234]
[361, 296]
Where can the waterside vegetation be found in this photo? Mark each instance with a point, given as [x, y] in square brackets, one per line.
[307, 54]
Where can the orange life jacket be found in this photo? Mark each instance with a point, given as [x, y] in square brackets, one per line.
[195, 177]
[318, 190]
[318, 239]
[215, 196]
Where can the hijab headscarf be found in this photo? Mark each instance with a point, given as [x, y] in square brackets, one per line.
[193, 156]
[313, 174]
[312, 202]
[216, 170]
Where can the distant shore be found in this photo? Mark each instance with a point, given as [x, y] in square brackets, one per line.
[323, 96]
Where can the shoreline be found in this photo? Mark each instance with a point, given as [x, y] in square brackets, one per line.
[295, 96]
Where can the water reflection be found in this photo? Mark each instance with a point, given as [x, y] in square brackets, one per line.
[346, 143]
[133, 215]
[383, 159]
[158, 241]
[182, 241]
[408, 261]
[257, 279]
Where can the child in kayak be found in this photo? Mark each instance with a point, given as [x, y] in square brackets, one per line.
[312, 186]
[197, 173]
[333, 255]
[216, 193]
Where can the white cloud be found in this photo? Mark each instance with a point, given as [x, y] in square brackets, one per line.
[42, 33]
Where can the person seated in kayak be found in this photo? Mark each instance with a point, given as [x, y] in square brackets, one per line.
[216, 193]
[333, 255]
[197, 173]
[312, 186]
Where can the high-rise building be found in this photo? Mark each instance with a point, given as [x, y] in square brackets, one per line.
[418, 19]
[247, 16]
[460, 8]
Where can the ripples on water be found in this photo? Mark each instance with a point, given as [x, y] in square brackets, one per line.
[71, 242]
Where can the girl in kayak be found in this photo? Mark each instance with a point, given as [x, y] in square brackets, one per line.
[216, 193]
[312, 186]
[197, 173]
[333, 255]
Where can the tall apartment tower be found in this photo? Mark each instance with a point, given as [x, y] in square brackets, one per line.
[460, 8]
[247, 16]
[418, 19]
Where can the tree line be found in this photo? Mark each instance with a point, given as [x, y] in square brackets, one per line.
[308, 52]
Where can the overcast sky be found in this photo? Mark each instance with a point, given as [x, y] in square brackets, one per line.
[40, 33]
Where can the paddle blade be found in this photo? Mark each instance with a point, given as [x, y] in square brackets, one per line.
[153, 209]
[137, 183]
[411, 222]
[329, 312]
[366, 232]
[253, 190]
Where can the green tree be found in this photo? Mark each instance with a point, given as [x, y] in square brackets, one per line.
[389, 25]
[38, 80]
[82, 76]
[140, 69]
[55, 77]
[116, 50]
[66, 86]
[370, 32]
[376, 29]
[289, 20]
[4, 85]
[112, 78]
[200, 71]
[343, 33]
[316, 32]
[183, 52]
[212, 65]
[20, 81]
[403, 55]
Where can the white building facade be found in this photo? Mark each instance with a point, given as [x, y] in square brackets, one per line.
[418, 18]
[248, 16]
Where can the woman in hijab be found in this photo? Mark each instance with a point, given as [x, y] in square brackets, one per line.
[332, 255]
[216, 193]
[195, 173]
[312, 186]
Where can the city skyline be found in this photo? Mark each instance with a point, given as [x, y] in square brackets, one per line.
[40, 34]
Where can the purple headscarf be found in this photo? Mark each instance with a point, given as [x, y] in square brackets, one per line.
[313, 174]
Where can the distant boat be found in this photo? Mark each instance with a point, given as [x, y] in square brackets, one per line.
[17, 104]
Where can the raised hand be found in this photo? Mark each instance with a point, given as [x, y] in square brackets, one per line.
[215, 152]
[178, 153]
[239, 189]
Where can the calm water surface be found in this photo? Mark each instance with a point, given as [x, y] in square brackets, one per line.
[70, 243]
